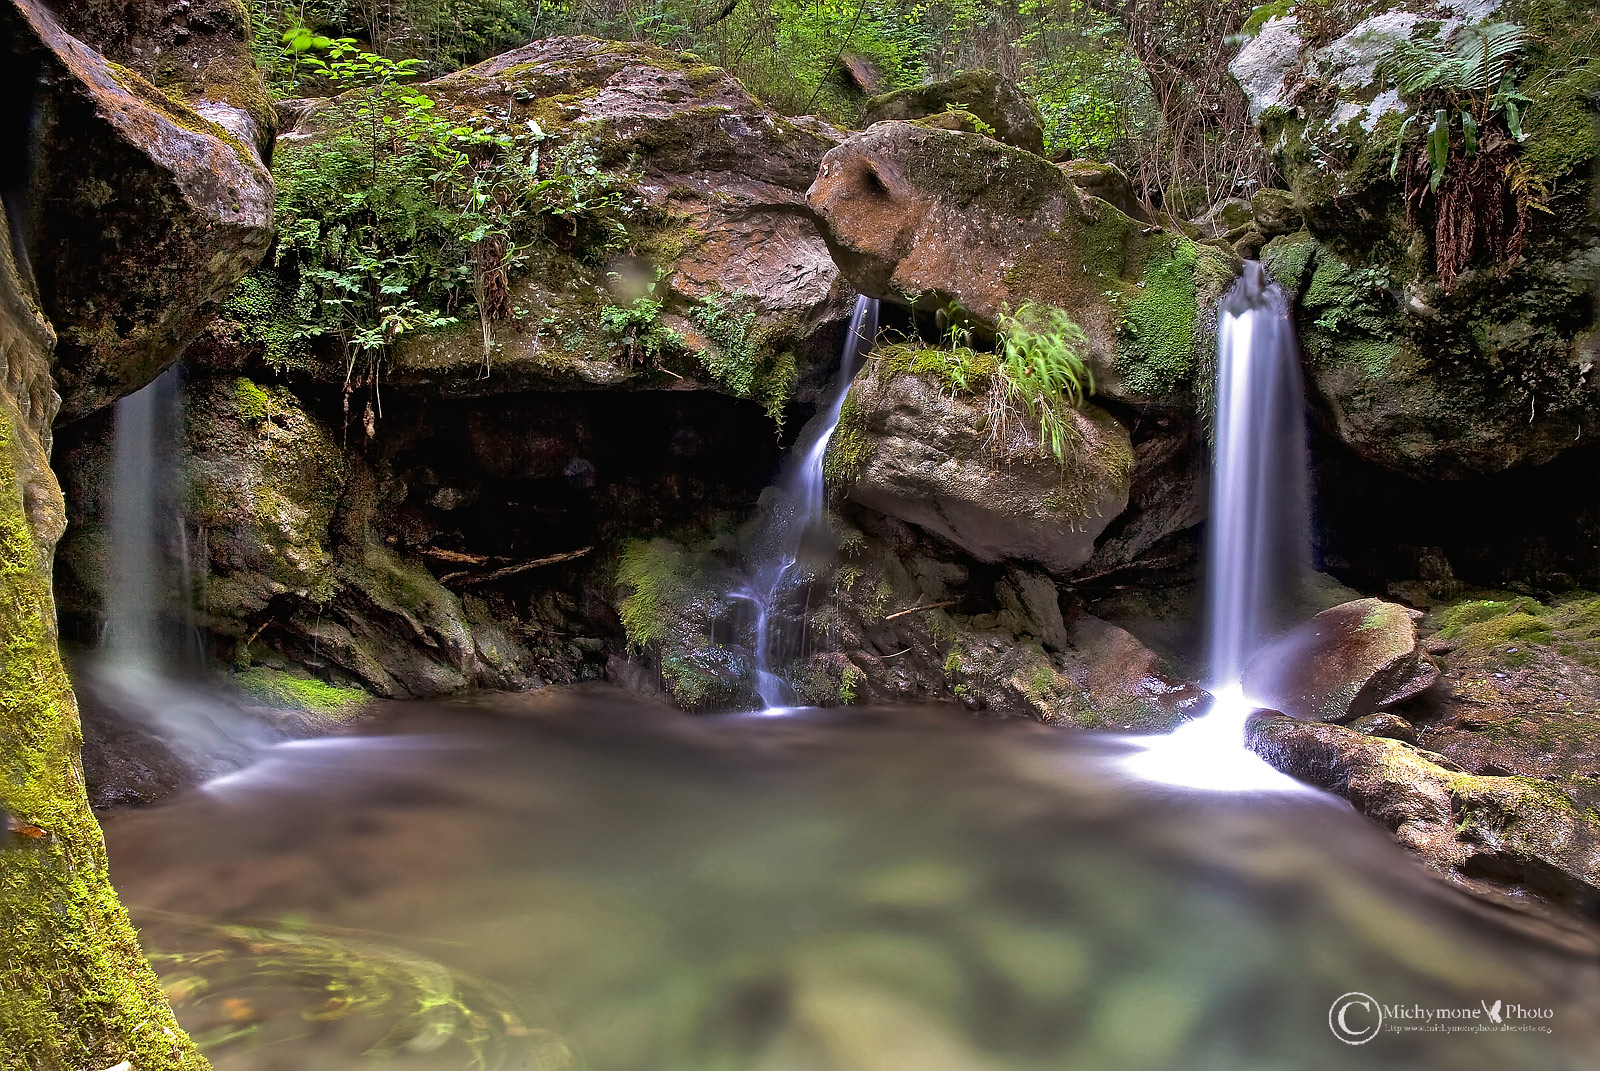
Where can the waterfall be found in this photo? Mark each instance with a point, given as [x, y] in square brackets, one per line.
[142, 515]
[150, 635]
[1257, 544]
[793, 508]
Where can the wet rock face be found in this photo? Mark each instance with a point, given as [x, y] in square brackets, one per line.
[1347, 662]
[1494, 773]
[1427, 379]
[924, 456]
[142, 214]
[924, 217]
[1009, 112]
[197, 51]
[927, 216]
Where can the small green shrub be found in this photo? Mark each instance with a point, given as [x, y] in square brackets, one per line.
[1042, 369]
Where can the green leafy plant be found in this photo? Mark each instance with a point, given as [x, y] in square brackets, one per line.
[1468, 77]
[638, 325]
[1043, 371]
[1465, 176]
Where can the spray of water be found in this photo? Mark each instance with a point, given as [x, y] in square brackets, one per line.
[793, 509]
[1257, 544]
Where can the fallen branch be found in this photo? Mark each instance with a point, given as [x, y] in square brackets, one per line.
[512, 570]
[455, 556]
[920, 609]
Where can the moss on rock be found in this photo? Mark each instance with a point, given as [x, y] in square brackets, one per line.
[75, 991]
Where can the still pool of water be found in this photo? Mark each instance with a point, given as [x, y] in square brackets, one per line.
[582, 881]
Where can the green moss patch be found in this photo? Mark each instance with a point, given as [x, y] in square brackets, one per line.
[75, 991]
[1156, 347]
[671, 601]
[272, 687]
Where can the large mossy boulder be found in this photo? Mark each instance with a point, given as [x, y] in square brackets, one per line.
[909, 447]
[1349, 661]
[1009, 114]
[927, 217]
[140, 214]
[1437, 373]
[75, 989]
[667, 246]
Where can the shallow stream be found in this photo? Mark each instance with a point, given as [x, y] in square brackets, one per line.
[581, 880]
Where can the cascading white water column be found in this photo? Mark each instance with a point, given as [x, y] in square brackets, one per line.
[140, 508]
[801, 496]
[1257, 547]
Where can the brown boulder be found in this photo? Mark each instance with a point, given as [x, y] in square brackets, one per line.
[711, 187]
[1006, 110]
[911, 450]
[1348, 661]
[926, 217]
[141, 213]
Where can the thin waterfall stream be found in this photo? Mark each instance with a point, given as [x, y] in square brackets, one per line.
[1257, 547]
[794, 515]
[151, 644]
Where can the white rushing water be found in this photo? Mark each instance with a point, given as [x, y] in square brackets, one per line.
[796, 509]
[1256, 546]
[140, 509]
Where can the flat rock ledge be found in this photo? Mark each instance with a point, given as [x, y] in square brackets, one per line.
[1518, 834]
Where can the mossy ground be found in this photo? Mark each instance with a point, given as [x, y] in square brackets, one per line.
[75, 991]
[1509, 626]
[299, 692]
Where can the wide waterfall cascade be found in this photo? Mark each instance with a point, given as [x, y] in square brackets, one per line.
[150, 637]
[1257, 539]
[793, 508]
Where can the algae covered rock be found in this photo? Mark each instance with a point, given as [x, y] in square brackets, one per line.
[141, 213]
[929, 457]
[1520, 691]
[1347, 662]
[1513, 831]
[926, 217]
[1437, 349]
[993, 99]
[264, 477]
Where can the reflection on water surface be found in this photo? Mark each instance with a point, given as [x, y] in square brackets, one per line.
[598, 884]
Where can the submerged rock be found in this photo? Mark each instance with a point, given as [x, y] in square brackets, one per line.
[993, 99]
[929, 457]
[141, 214]
[1347, 662]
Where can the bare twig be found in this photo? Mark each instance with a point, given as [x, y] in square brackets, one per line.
[511, 570]
[920, 609]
